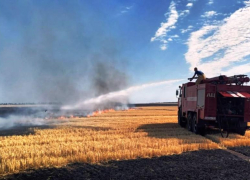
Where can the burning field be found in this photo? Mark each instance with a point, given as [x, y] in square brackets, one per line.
[104, 136]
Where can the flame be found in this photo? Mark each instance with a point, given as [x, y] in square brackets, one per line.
[93, 114]
[98, 112]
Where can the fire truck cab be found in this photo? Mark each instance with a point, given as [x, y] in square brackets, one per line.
[221, 102]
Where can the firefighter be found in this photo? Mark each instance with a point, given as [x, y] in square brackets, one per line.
[200, 74]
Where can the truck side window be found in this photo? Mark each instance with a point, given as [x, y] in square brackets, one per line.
[184, 91]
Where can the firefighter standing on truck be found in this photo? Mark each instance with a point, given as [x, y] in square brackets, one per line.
[200, 74]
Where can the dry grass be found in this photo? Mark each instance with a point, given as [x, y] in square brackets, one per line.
[145, 132]
[232, 141]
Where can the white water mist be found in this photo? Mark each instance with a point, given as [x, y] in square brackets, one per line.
[118, 96]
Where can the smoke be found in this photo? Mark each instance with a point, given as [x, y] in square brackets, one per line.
[14, 121]
[106, 78]
[60, 52]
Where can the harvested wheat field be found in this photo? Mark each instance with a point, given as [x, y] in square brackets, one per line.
[233, 139]
[147, 132]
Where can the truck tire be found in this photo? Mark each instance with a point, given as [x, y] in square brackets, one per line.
[242, 126]
[197, 128]
[242, 131]
[181, 121]
[189, 122]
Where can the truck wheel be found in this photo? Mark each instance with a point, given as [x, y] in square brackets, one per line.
[195, 126]
[180, 119]
[242, 126]
[242, 131]
[189, 122]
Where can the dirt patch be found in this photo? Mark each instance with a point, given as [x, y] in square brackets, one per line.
[213, 164]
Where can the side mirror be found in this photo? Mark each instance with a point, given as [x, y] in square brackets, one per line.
[177, 92]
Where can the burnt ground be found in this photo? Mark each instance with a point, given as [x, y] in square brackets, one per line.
[22, 130]
[243, 150]
[204, 164]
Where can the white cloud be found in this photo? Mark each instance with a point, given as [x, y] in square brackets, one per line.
[247, 3]
[242, 69]
[129, 7]
[209, 14]
[189, 5]
[184, 13]
[163, 47]
[125, 10]
[161, 33]
[189, 28]
[184, 31]
[210, 2]
[175, 36]
[213, 48]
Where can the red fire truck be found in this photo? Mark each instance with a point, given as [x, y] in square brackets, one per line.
[221, 102]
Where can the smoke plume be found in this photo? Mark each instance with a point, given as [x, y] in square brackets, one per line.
[60, 53]
[106, 78]
[14, 121]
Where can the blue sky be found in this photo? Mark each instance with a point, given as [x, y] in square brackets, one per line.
[149, 41]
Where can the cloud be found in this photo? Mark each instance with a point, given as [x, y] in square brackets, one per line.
[209, 14]
[161, 33]
[216, 47]
[247, 3]
[210, 2]
[175, 36]
[163, 47]
[184, 13]
[189, 5]
[129, 7]
[189, 28]
[125, 9]
[242, 69]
